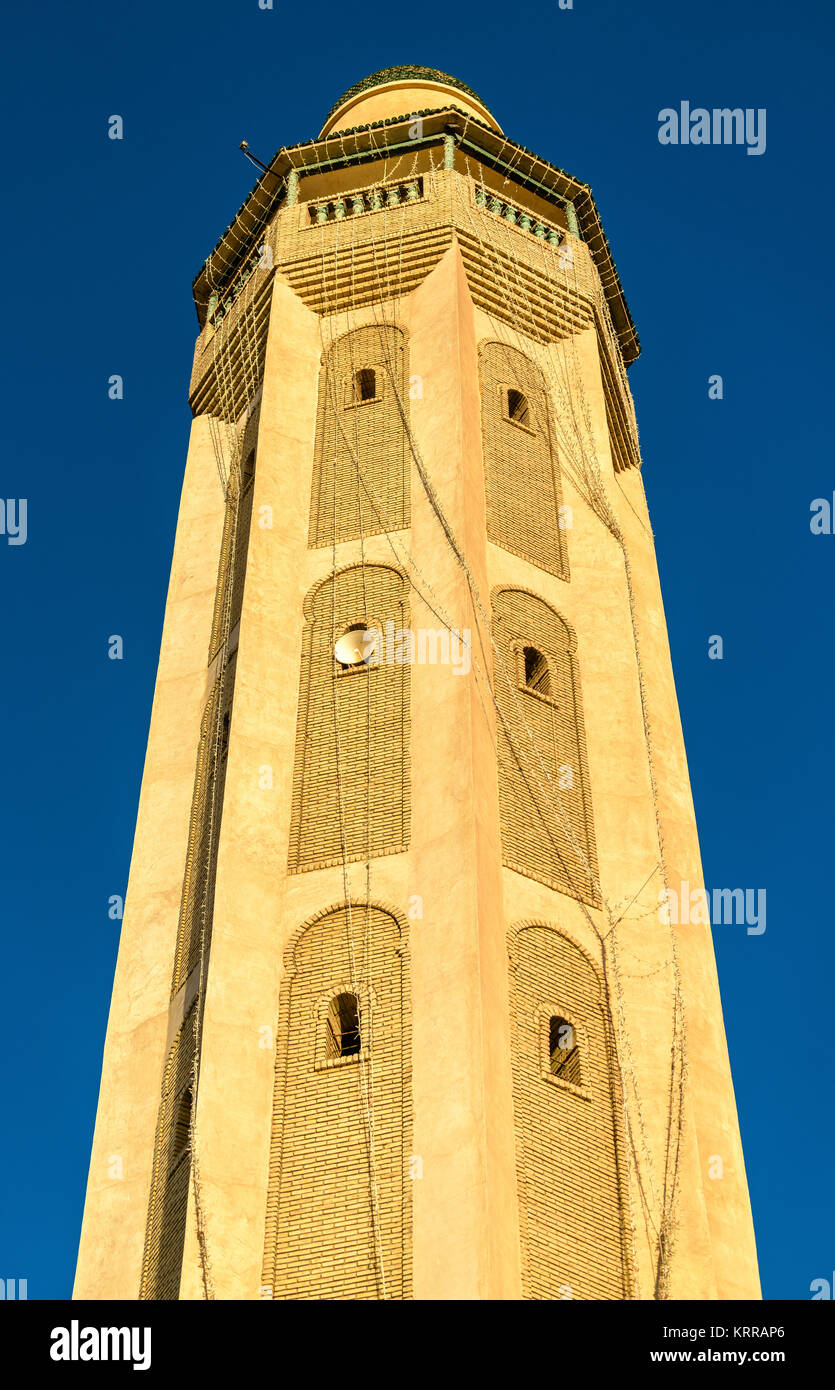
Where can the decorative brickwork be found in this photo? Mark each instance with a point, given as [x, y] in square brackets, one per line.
[351, 781]
[236, 527]
[339, 1205]
[165, 1231]
[230, 356]
[544, 795]
[620, 407]
[522, 483]
[569, 1162]
[197, 901]
[387, 253]
[361, 463]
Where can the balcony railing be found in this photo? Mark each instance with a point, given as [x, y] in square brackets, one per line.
[365, 200]
[220, 303]
[517, 216]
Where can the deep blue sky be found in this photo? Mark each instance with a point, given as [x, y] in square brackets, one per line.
[725, 261]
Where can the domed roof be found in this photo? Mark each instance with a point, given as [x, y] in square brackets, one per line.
[408, 74]
[368, 99]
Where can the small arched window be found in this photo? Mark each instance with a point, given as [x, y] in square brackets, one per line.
[537, 672]
[521, 461]
[365, 385]
[360, 452]
[518, 409]
[342, 1027]
[563, 1050]
[541, 741]
[353, 713]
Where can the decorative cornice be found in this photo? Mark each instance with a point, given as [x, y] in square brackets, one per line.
[493, 148]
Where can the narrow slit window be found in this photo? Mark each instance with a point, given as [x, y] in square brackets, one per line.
[365, 385]
[518, 409]
[537, 672]
[563, 1050]
[342, 1027]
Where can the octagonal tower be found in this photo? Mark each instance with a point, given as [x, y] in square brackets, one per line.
[396, 1013]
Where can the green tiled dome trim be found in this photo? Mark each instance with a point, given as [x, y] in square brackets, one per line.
[379, 79]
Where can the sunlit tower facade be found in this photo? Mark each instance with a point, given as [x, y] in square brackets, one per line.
[397, 1013]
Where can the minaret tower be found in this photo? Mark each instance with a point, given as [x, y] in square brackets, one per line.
[396, 1012]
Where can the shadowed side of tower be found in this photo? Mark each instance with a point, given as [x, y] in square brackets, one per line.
[395, 1014]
